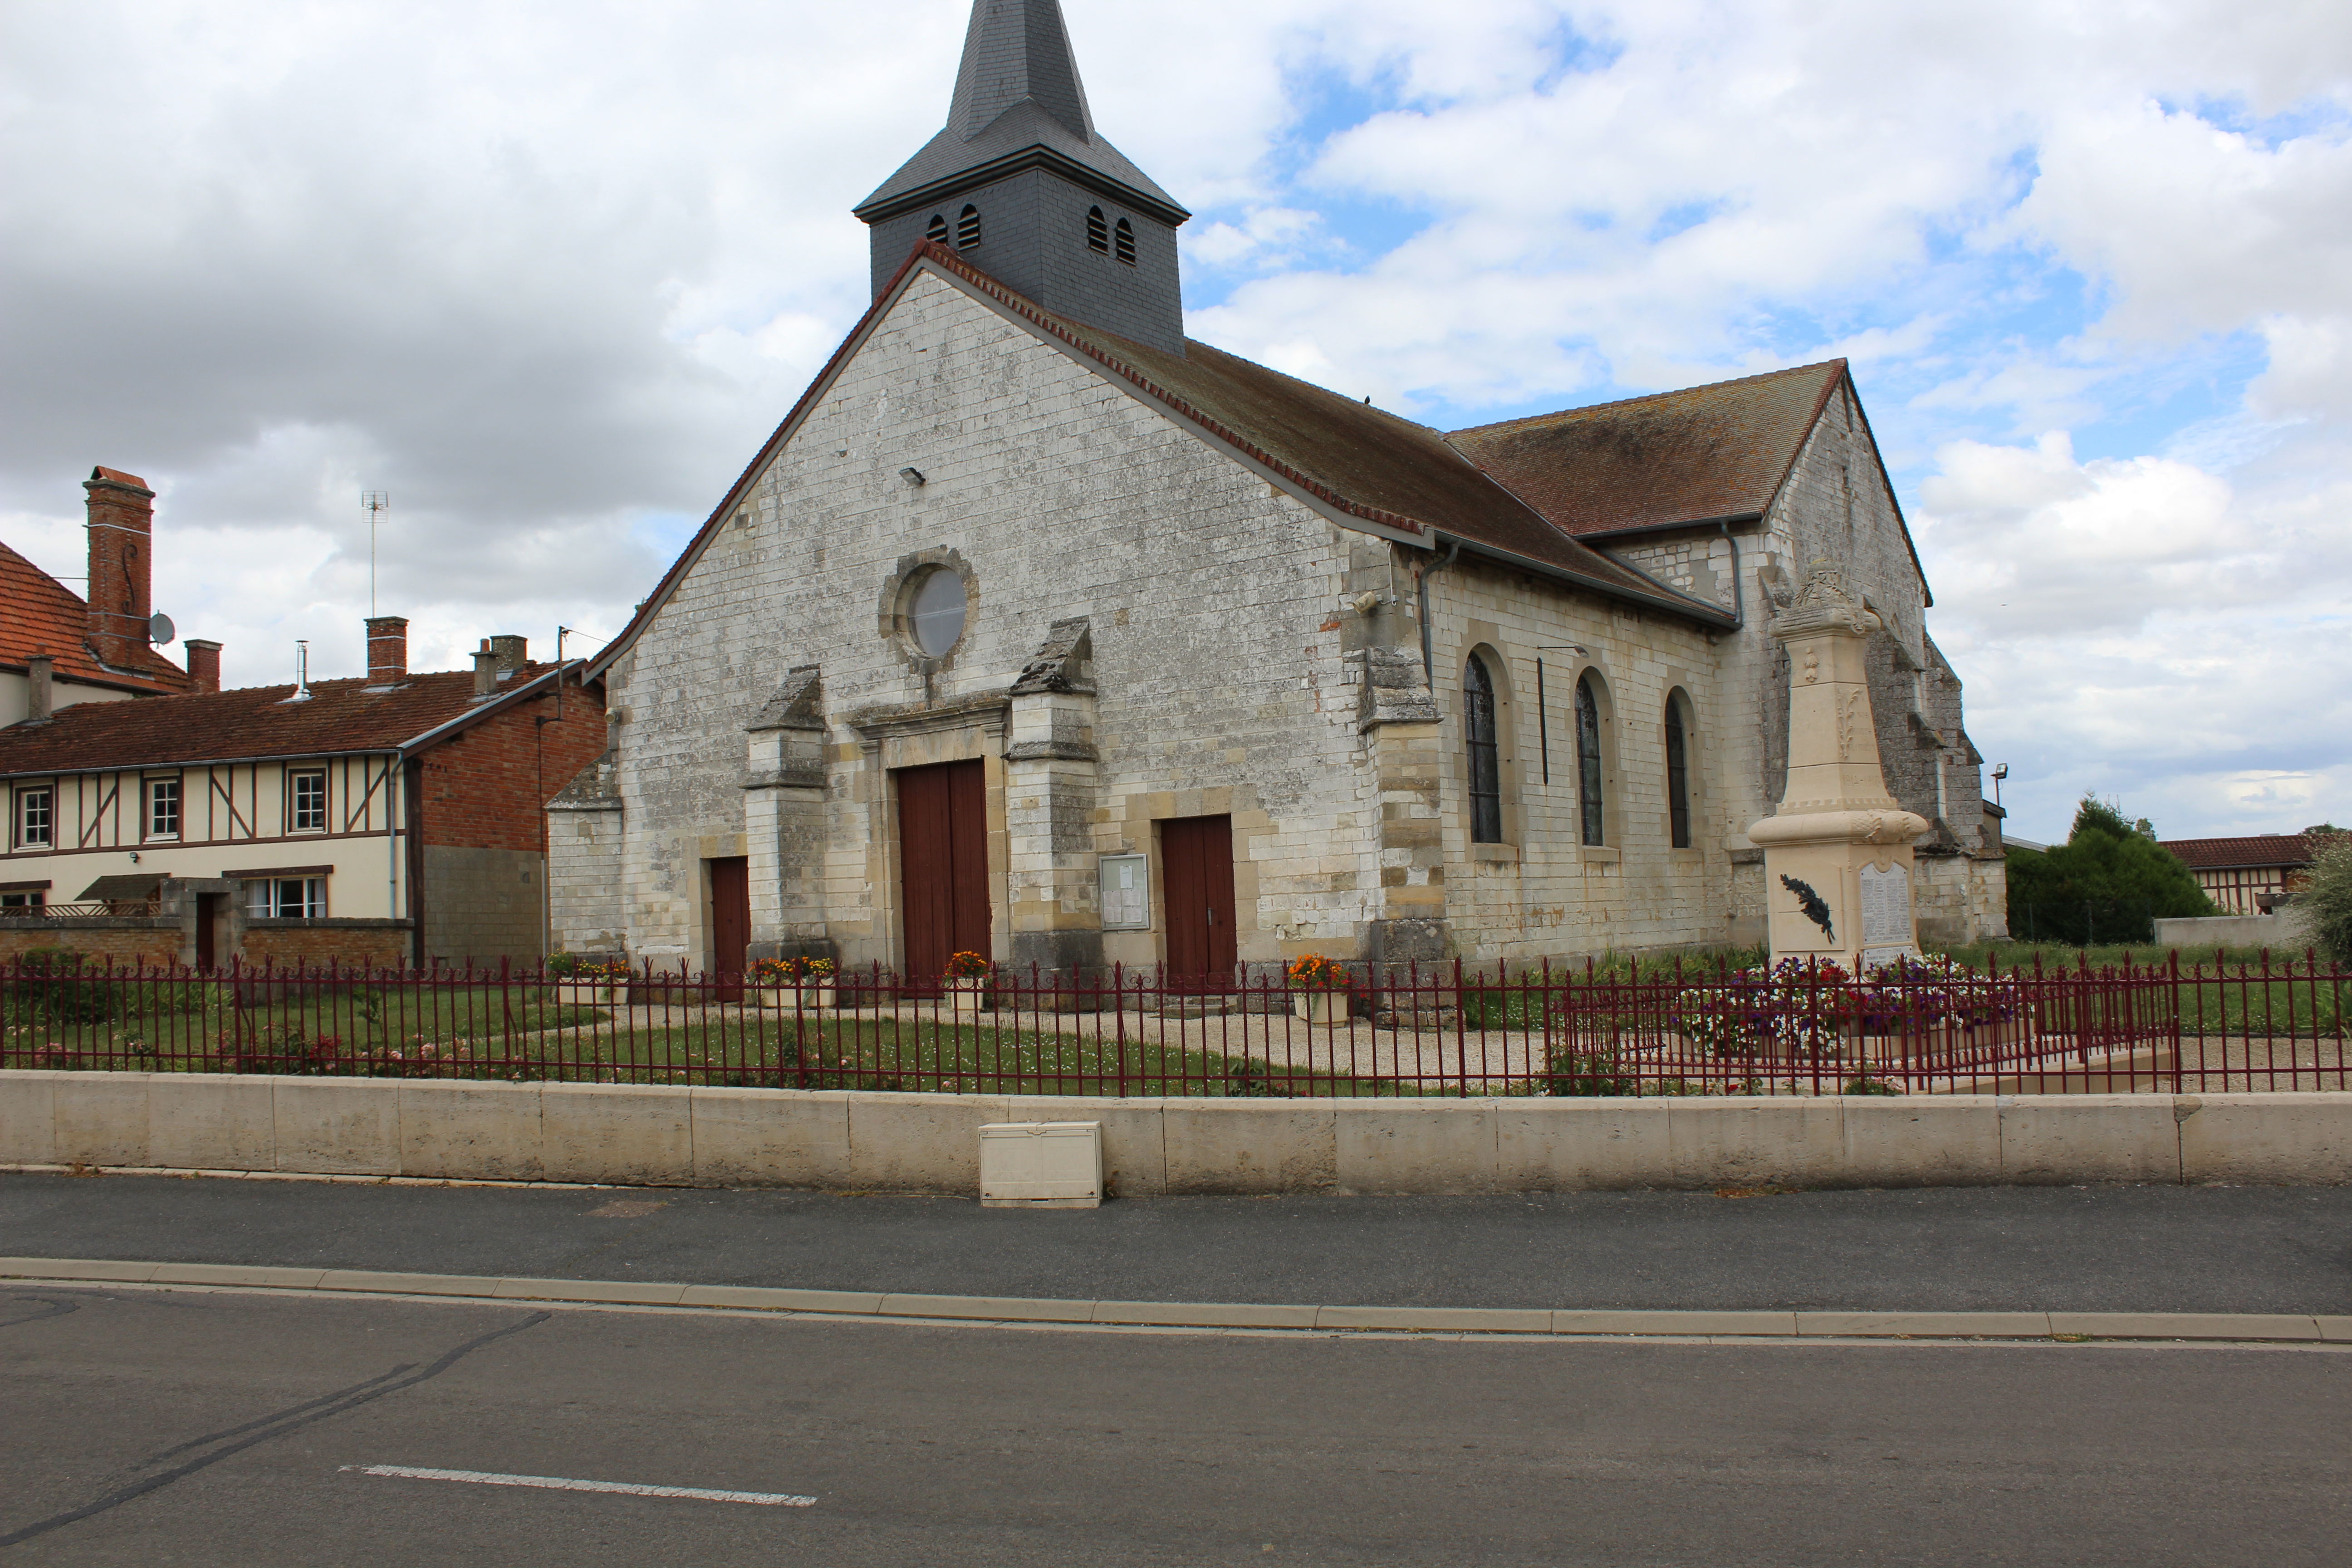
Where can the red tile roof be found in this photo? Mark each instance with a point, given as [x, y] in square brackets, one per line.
[1692, 456]
[254, 723]
[2237, 854]
[39, 614]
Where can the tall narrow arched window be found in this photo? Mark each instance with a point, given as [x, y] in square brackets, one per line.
[1588, 758]
[1485, 770]
[968, 228]
[937, 233]
[1098, 231]
[1126, 238]
[1677, 777]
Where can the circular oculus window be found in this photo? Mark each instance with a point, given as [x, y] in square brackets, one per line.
[936, 609]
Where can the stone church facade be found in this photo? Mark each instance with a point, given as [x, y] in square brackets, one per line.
[1041, 631]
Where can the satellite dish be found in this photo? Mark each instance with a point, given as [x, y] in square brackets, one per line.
[160, 629]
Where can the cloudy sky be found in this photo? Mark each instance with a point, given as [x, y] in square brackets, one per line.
[548, 272]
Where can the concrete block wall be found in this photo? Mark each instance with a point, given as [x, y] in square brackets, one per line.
[917, 1142]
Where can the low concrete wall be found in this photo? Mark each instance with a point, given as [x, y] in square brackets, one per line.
[931, 1142]
[2286, 932]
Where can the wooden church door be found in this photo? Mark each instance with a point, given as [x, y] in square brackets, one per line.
[731, 923]
[1196, 856]
[942, 865]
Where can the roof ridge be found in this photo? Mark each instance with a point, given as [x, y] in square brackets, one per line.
[1650, 396]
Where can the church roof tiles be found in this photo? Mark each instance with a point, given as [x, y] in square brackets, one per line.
[1704, 453]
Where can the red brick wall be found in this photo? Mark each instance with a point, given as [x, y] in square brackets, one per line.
[316, 945]
[157, 948]
[120, 520]
[489, 788]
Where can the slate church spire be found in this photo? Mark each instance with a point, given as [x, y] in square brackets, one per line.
[1020, 184]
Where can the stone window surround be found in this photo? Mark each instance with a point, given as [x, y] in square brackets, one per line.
[897, 618]
[1612, 848]
[1694, 768]
[1484, 639]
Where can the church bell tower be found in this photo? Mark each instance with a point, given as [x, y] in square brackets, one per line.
[1021, 186]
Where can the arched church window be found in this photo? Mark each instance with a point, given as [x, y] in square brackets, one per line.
[938, 231]
[968, 229]
[1485, 771]
[1098, 231]
[1588, 758]
[1127, 242]
[1677, 776]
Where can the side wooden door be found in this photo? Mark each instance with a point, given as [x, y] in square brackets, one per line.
[1196, 856]
[731, 923]
[942, 865]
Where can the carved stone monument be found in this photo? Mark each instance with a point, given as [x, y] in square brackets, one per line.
[1837, 853]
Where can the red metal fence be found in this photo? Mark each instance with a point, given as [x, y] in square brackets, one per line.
[1669, 1028]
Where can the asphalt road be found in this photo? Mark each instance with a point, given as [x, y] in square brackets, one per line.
[2138, 1249]
[191, 1427]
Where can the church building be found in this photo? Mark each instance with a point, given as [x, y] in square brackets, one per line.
[1042, 631]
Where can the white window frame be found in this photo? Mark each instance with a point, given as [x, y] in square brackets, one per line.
[20, 811]
[150, 790]
[295, 778]
[266, 898]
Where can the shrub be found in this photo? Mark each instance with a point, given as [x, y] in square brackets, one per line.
[1593, 1074]
[2110, 881]
[53, 984]
[2328, 898]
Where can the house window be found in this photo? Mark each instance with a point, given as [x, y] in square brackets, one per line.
[1127, 242]
[938, 231]
[1098, 231]
[1588, 758]
[163, 808]
[1486, 771]
[26, 901]
[1677, 777]
[968, 229]
[33, 817]
[309, 802]
[285, 897]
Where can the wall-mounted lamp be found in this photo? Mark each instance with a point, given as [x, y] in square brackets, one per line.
[913, 476]
[1999, 772]
[1577, 648]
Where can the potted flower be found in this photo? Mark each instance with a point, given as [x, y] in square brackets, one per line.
[967, 980]
[584, 982]
[787, 983]
[1321, 984]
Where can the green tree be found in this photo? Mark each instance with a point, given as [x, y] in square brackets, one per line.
[2111, 882]
[2328, 894]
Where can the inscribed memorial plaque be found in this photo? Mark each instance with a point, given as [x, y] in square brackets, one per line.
[1886, 908]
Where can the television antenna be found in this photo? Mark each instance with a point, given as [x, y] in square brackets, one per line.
[375, 505]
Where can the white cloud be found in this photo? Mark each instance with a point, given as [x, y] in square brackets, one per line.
[548, 273]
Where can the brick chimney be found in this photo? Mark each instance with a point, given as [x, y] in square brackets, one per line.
[121, 520]
[387, 650]
[39, 701]
[513, 652]
[204, 663]
[486, 672]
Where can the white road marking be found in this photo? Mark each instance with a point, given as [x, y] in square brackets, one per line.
[565, 1484]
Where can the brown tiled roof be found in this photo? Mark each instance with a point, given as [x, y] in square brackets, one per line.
[39, 614]
[1361, 460]
[2234, 854]
[1693, 456]
[340, 717]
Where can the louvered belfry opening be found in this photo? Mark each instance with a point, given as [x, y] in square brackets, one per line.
[1127, 242]
[938, 231]
[968, 229]
[1098, 231]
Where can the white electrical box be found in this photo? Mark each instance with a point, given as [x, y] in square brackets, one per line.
[1041, 1164]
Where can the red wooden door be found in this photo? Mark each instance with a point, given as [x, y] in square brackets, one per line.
[730, 922]
[942, 865]
[1196, 856]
